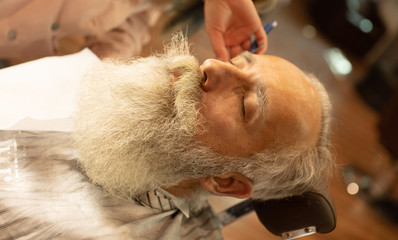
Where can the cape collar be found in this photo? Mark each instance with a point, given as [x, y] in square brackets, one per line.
[163, 201]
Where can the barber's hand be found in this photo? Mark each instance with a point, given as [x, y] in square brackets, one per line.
[230, 23]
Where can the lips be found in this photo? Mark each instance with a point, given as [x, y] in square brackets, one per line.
[176, 76]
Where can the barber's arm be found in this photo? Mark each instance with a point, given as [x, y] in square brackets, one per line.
[39, 28]
[230, 23]
[125, 40]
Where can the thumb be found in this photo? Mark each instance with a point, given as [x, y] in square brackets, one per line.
[262, 39]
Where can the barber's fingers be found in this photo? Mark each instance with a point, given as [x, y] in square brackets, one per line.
[218, 44]
[246, 45]
[262, 40]
[235, 50]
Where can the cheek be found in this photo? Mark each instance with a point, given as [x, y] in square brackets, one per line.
[219, 118]
[284, 126]
[217, 121]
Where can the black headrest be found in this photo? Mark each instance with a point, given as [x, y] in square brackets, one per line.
[281, 216]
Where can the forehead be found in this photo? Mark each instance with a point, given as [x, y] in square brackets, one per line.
[292, 113]
[278, 68]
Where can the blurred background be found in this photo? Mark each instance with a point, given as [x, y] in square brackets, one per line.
[352, 46]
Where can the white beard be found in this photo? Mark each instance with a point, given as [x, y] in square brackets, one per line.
[133, 117]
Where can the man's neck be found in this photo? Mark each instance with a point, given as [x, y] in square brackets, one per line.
[184, 188]
[192, 192]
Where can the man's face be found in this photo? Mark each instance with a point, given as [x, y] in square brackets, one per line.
[256, 102]
[153, 122]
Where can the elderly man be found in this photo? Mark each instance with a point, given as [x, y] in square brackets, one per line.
[159, 135]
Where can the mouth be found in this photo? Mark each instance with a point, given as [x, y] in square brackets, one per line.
[175, 76]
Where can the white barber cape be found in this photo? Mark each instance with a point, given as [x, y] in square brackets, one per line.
[44, 195]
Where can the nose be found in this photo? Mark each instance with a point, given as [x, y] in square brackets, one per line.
[218, 74]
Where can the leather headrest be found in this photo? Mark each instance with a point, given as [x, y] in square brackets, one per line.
[297, 212]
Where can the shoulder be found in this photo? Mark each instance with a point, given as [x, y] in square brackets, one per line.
[45, 195]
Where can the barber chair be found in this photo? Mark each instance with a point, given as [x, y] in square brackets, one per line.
[289, 218]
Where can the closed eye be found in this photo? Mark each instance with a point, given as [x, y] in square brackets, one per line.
[243, 106]
[243, 110]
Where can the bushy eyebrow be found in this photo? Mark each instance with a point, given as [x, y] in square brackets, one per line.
[245, 55]
[262, 99]
[248, 57]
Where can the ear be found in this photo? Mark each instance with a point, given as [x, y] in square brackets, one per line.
[229, 184]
